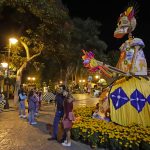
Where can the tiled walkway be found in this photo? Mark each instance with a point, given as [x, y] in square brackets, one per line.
[17, 134]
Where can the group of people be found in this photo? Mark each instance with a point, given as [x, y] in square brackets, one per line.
[64, 111]
[33, 98]
[64, 114]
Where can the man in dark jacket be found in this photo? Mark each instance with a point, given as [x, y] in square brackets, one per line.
[59, 101]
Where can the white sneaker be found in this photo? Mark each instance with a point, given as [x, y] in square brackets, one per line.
[33, 123]
[65, 141]
[24, 116]
[66, 144]
[36, 114]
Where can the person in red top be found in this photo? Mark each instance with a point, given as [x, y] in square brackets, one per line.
[68, 117]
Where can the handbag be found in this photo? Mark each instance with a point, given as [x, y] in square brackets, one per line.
[67, 123]
[71, 116]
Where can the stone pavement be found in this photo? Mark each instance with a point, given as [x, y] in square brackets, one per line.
[17, 134]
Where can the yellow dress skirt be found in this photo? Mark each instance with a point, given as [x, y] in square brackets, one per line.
[130, 101]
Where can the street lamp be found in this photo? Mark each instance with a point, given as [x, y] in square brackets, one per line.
[11, 41]
[4, 65]
[97, 76]
[81, 85]
[31, 78]
[31, 83]
[82, 81]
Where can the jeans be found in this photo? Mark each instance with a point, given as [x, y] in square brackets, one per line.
[31, 116]
[58, 116]
[37, 107]
[22, 107]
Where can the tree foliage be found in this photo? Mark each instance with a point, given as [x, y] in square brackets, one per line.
[44, 25]
[40, 24]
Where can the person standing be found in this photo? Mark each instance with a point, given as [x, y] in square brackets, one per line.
[59, 101]
[68, 117]
[40, 99]
[89, 86]
[32, 100]
[36, 94]
[22, 98]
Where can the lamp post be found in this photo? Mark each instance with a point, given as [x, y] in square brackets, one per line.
[31, 81]
[4, 65]
[11, 41]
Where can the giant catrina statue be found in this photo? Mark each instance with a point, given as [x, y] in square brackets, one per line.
[129, 95]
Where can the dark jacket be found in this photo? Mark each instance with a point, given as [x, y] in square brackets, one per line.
[59, 101]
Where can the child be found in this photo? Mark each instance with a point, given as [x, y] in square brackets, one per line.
[32, 99]
[107, 116]
[96, 107]
[96, 114]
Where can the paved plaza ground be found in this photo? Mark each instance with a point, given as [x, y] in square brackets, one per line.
[17, 134]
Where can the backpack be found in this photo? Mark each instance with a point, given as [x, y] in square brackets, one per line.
[19, 99]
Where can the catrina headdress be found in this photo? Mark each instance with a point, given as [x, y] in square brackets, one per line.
[126, 23]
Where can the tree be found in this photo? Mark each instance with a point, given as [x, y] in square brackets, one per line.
[85, 35]
[80, 34]
[46, 29]
[113, 57]
[42, 34]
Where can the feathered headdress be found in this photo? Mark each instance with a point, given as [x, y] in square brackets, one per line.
[126, 22]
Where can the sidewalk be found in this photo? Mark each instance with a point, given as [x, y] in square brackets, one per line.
[17, 134]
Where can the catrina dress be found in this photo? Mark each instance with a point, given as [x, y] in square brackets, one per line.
[130, 96]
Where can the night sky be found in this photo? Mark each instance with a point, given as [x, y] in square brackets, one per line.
[107, 13]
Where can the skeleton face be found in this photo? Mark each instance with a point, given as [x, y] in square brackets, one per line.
[124, 26]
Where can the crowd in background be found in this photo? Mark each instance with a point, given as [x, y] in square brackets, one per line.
[34, 98]
[64, 110]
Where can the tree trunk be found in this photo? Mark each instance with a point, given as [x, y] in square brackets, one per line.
[61, 73]
[18, 81]
[76, 72]
[19, 76]
[69, 71]
[66, 79]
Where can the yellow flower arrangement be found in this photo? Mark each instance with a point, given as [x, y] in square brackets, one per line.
[103, 133]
